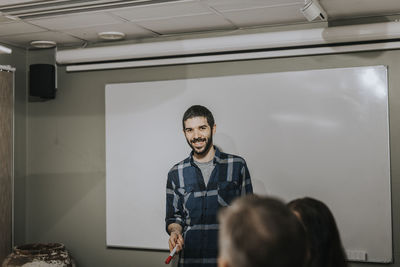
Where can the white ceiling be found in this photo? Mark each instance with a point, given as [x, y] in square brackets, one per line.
[23, 21]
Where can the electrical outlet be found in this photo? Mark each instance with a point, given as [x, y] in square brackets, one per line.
[356, 255]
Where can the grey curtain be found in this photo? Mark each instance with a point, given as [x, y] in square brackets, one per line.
[6, 161]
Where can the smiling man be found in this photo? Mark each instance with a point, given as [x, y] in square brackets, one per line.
[197, 187]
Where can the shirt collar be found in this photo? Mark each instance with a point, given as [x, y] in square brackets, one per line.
[216, 156]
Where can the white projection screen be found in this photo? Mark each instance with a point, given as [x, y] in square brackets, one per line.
[319, 133]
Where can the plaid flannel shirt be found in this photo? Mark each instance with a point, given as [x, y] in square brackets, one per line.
[194, 205]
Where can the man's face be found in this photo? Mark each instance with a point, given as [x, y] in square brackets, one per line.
[198, 134]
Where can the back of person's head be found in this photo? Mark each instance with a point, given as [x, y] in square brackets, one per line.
[260, 232]
[325, 246]
[198, 111]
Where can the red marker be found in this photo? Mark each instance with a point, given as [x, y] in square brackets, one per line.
[171, 255]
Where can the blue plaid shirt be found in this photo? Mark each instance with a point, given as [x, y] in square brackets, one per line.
[194, 205]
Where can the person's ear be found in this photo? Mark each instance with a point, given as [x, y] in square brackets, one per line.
[214, 129]
[183, 128]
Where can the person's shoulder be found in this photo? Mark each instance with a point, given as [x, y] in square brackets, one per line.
[182, 164]
[236, 158]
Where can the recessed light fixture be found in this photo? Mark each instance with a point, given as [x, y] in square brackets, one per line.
[111, 36]
[43, 44]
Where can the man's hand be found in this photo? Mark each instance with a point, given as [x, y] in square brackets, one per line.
[175, 238]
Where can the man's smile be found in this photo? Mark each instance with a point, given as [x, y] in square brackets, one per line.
[198, 142]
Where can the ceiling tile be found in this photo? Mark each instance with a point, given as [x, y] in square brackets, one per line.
[183, 16]
[188, 24]
[266, 16]
[131, 30]
[25, 39]
[232, 5]
[18, 28]
[160, 11]
[358, 8]
[76, 21]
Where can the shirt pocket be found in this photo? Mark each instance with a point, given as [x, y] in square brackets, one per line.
[188, 198]
[227, 192]
[188, 190]
[185, 191]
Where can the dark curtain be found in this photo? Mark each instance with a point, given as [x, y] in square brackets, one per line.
[6, 161]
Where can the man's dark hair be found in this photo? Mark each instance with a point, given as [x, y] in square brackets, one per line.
[261, 231]
[325, 246]
[198, 111]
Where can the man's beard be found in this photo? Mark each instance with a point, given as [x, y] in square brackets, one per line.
[209, 142]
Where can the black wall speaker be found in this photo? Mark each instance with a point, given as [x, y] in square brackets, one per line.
[42, 81]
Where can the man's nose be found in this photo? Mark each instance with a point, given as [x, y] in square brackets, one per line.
[196, 133]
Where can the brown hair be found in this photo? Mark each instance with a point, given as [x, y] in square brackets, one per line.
[325, 245]
[198, 111]
[261, 231]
